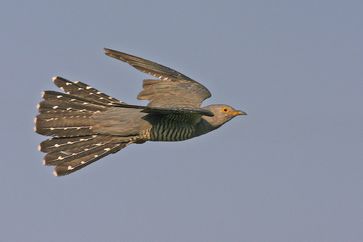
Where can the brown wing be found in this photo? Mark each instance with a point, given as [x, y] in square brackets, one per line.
[166, 110]
[172, 90]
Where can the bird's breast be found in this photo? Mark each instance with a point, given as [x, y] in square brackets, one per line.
[171, 130]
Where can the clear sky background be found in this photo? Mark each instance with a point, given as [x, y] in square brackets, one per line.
[290, 171]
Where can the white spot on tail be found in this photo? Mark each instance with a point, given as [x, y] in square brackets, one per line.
[83, 162]
[95, 156]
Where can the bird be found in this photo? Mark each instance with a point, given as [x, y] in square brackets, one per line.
[85, 125]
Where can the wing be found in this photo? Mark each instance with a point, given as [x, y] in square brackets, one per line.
[166, 110]
[172, 90]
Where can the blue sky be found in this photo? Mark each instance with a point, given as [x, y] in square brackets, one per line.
[289, 171]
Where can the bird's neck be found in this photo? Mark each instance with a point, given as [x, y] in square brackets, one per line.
[205, 126]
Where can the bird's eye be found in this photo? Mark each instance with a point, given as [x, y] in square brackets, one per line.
[225, 110]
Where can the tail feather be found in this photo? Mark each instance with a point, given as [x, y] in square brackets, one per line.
[71, 154]
[87, 158]
[54, 101]
[68, 158]
[62, 121]
[63, 156]
[69, 131]
[82, 90]
[70, 118]
[55, 144]
[66, 115]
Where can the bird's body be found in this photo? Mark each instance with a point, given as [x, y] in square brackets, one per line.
[87, 125]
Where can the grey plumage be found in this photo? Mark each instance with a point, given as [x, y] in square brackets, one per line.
[86, 124]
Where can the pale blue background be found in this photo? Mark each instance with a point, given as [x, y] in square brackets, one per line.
[291, 171]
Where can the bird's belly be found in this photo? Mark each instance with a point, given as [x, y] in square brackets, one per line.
[171, 132]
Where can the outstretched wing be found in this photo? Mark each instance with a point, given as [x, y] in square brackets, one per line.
[172, 91]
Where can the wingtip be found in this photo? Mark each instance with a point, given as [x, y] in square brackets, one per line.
[116, 54]
[108, 51]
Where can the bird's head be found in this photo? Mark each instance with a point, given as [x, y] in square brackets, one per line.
[222, 114]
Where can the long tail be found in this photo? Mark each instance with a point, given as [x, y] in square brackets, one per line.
[68, 118]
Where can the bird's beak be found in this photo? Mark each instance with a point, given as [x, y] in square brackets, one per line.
[238, 112]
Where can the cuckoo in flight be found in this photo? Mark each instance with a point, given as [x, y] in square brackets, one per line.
[86, 124]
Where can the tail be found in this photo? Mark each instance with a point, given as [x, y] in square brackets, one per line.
[68, 118]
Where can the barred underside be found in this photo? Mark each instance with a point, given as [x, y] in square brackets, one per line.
[170, 129]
